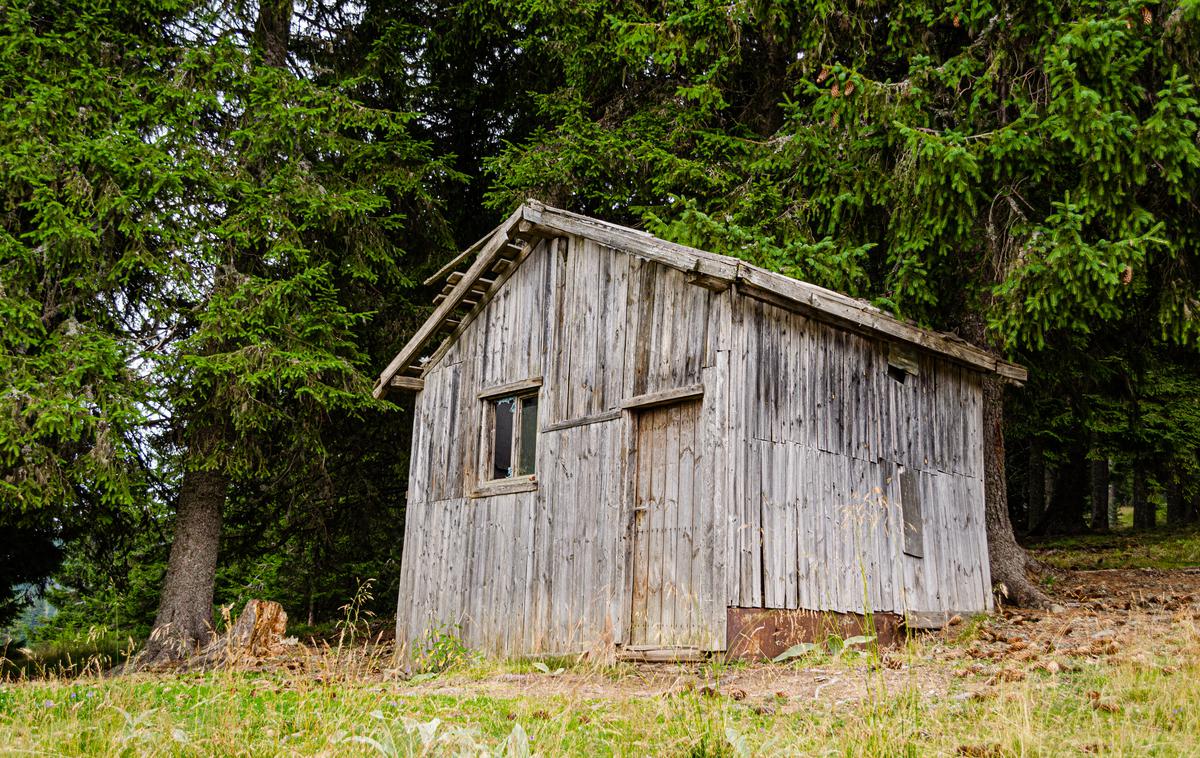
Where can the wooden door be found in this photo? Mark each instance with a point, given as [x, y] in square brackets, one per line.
[668, 523]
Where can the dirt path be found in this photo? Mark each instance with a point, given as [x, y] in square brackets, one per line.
[1112, 616]
[1108, 615]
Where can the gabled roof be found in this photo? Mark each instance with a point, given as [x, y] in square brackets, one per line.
[497, 255]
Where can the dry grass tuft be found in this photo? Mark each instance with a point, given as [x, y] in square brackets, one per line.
[1116, 673]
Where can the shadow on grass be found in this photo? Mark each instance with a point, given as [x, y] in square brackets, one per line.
[65, 660]
[1163, 549]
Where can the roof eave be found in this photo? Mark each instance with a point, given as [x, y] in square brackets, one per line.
[534, 219]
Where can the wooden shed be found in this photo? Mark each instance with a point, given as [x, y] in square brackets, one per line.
[622, 442]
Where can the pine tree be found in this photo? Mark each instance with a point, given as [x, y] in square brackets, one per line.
[1019, 173]
[85, 217]
[300, 221]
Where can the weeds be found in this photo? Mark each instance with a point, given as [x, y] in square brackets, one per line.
[1139, 707]
[355, 616]
[441, 650]
[96, 651]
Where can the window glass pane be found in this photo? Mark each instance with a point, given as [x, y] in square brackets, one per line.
[528, 435]
[502, 443]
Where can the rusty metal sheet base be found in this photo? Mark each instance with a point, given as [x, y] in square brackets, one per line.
[763, 633]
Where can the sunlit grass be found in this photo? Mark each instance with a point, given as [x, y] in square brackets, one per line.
[1131, 707]
[347, 697]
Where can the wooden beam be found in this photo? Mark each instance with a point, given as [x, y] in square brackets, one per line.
[468, 302]
[412, 383]
[486, 255]
[465, 254]
[595, 418]
[504, 486]
[554, 221]
[903, 357]
[841, 309]
[664, 397]
[510, 388]
[661, 654]
[707, 281]
[483, 301]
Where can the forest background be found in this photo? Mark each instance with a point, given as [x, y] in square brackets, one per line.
[215, 218]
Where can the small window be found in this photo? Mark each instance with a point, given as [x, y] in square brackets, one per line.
[514, 436]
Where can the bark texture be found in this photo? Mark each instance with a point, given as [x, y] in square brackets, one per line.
[1009, 561]
[272, 29]
[1036, 485]
[1099, 482]
[1177, 511]
[257, 633]
[1143, 509]
[184, 621]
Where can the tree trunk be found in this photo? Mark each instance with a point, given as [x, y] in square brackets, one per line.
[1069, 499]
[1176, 510]
[1143, 509]
[1113, 505]
[1008, 559]
[1193, 515]
[1049, 489]
[184, 621]
[272, 30]
[1194, 511]
[1099, 482]
[1036, 484]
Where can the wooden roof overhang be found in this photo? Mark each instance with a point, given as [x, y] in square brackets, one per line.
[467, 291]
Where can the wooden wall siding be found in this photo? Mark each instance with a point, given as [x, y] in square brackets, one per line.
[815, 520]
[627, 327]
[831, 531]
[545, 571]
[828, 389]
[527, 572]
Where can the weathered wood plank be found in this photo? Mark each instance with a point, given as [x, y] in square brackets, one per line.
[670, 549]
[510, 388]
[596, 418]
[663, 397]
[487, 254]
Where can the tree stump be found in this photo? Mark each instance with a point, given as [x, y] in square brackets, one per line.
[259, 630]
[257, 633]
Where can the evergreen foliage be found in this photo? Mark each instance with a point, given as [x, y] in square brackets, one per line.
[212, 227]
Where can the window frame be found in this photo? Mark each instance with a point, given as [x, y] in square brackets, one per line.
[485, 484]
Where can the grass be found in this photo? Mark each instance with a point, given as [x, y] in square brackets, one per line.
[91, 654]
[1147, 711]
[936, 696]
[1163, 549]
